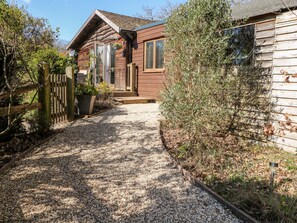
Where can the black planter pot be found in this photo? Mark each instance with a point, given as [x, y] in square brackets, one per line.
[86, 104]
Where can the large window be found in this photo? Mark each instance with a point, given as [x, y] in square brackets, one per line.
[154, 55]
[241, 44]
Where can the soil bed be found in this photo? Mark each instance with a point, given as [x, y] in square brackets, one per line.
[240, 174]
[19, 144]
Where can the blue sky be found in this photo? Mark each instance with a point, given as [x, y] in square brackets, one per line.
[70, 15]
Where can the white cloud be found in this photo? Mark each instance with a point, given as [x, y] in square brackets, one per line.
[27, 1]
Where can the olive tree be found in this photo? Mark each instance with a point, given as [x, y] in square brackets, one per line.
[204, 94]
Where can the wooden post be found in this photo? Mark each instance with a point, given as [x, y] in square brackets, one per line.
[70, 93]
[44, 98]
[132, 76]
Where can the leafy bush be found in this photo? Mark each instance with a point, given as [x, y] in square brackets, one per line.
[204, 95]
[86, 89]
[105, 91]
[57, 61]
[21, 36]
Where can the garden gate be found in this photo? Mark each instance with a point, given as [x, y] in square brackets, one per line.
[58, 89]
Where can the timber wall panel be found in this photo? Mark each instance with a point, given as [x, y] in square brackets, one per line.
[284, 85]
[103, 34]
[265, 39]
[149, 83]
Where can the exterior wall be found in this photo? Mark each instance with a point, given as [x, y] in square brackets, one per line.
[284, 85]
[121, 67]
[103, 34]
[149, 83]
[276, 39]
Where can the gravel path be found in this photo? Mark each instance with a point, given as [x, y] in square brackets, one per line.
[109, 168]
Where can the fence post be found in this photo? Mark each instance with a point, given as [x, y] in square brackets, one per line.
[70, 93]
[44, 97]
[132, 77]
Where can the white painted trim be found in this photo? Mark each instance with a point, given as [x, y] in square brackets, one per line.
[100, 15]
[80, 30]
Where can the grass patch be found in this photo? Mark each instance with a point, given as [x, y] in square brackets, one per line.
[240, 173]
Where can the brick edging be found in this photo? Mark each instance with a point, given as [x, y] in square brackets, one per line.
[189, 177]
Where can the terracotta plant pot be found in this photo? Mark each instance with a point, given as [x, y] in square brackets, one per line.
[86, 104]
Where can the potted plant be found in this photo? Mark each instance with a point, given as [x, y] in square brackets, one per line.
[117, 46]
[86, 95]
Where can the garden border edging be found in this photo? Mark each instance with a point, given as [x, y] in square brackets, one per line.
[12, 162]
[189, 177]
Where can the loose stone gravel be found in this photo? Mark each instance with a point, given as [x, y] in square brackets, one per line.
[108, 168]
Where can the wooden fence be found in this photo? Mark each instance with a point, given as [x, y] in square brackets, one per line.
[55, 98]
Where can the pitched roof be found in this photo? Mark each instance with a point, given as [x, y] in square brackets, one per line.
[123, 21]
[161, 22]
[116, 21]
[261, 7]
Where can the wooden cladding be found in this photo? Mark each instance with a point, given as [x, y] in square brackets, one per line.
[265, 40]
[149, 83]
[284, 83]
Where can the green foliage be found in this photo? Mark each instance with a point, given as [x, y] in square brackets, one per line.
[204, 95]
[117, 46]
[21, 36]
[57, 61]
[104, 89]
[183, 151]
[86, 89]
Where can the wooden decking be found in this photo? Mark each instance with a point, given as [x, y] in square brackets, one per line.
[134, 100]
[124, 94]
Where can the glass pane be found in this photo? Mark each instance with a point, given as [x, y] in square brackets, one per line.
[149, 55]
[99, 63]
[112, 65]
[159, 54]
[241, 44]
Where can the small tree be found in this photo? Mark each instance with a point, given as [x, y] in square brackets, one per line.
[204, 96]
[21, 35]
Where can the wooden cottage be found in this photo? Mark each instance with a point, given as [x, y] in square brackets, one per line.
[271, 26]
[148, 56]
[104, 48]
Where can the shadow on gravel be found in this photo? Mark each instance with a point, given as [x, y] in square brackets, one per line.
[55, 183]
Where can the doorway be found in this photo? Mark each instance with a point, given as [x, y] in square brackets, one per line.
[105, 64]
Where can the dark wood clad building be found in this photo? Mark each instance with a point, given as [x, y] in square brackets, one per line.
[104, 47]
[271, 26]
[148, 55]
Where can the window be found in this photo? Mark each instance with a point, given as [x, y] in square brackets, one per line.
[241, 44]
[154, 55]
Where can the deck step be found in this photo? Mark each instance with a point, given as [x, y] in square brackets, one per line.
[124, 94]
[134, 100]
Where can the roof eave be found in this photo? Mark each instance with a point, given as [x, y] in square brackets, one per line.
[69, 46]
[108, 21]
[100, 15]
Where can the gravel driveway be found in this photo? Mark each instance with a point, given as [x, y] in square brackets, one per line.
[108, 168]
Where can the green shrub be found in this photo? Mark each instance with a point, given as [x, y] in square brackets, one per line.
[86, 89]
[105, 90]
[204, 95]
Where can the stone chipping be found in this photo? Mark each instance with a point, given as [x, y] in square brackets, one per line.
[107, 168]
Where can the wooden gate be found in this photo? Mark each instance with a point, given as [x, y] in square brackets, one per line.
[58, 90]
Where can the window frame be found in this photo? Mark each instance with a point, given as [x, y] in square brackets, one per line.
[252, 56]
[154, 69]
